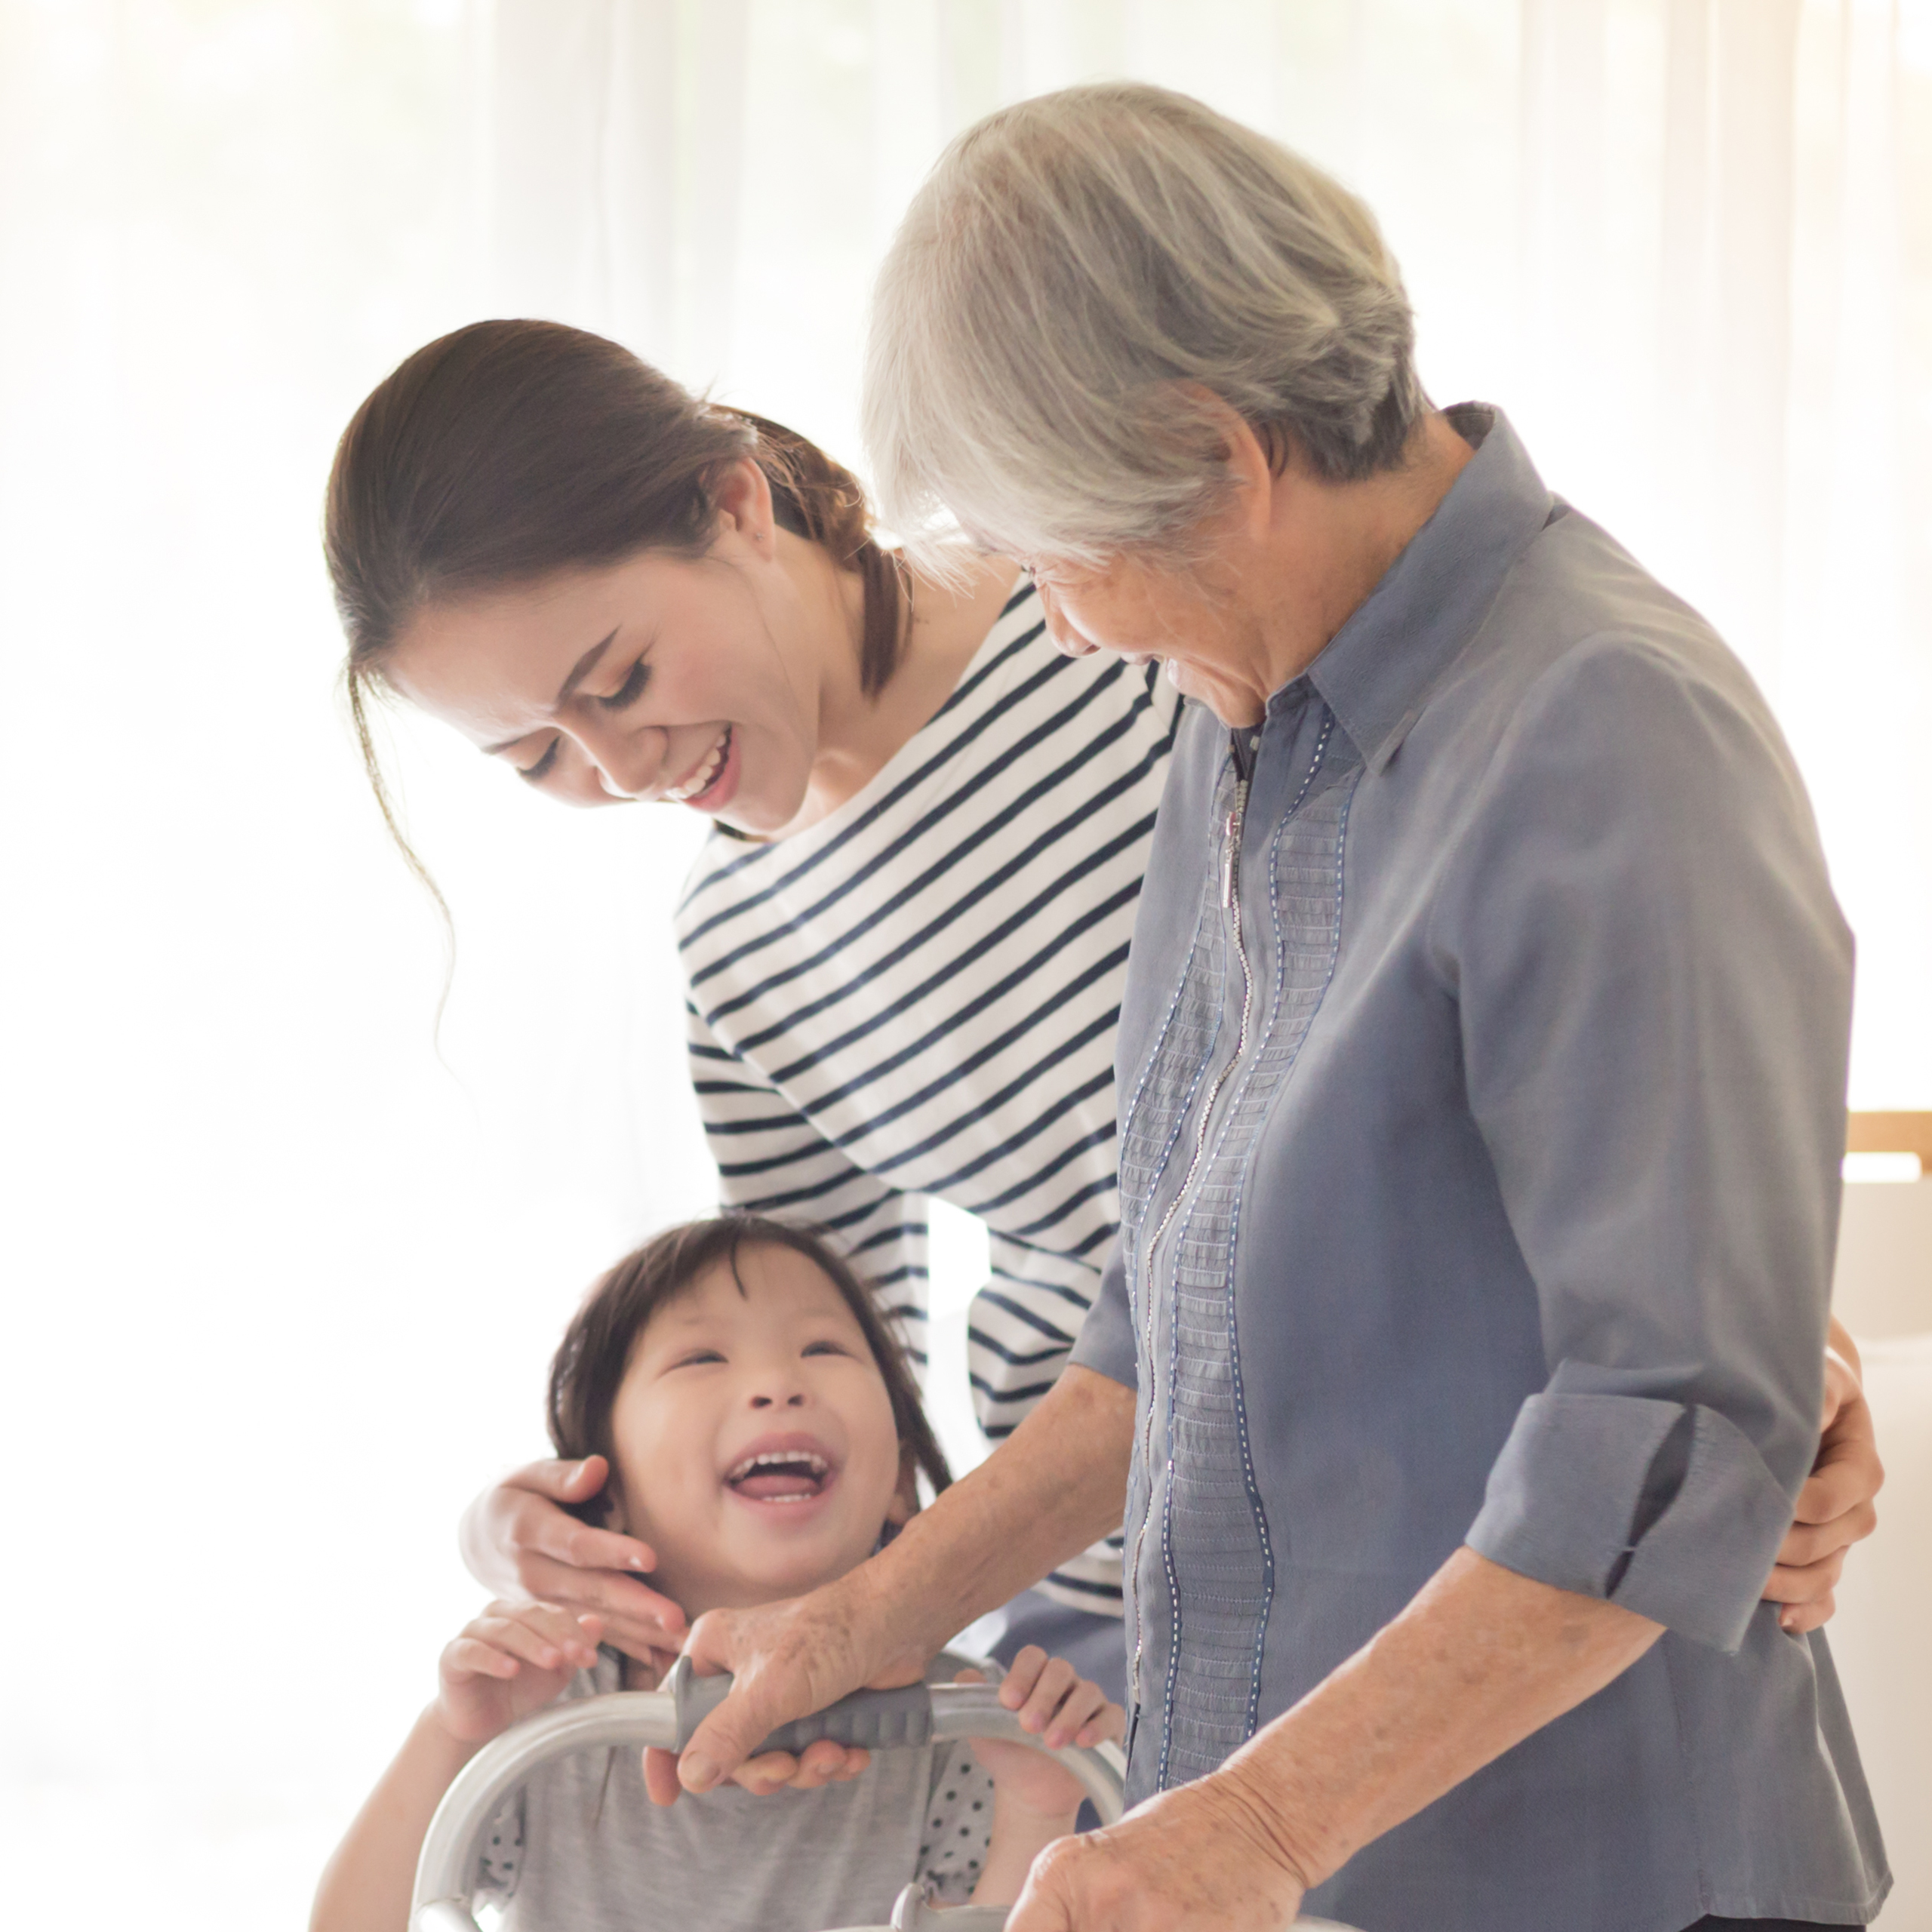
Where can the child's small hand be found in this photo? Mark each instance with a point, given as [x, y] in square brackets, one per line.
[1060, 1708]
[513, 1659]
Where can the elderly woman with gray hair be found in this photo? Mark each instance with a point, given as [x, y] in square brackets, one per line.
[1481, 1078]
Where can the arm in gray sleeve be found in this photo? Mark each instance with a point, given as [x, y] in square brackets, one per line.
[1654, 989]
[1106, 1339]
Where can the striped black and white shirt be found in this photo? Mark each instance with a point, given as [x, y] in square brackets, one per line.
[917, 997]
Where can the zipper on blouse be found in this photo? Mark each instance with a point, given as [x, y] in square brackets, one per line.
[1231, 828]
[1231, 851]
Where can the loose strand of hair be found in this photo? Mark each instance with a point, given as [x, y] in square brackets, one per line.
[372, 766]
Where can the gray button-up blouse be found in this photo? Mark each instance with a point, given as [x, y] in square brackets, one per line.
[1482, 1080]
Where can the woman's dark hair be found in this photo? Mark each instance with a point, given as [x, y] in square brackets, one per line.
[590, 1365]
[508, 449]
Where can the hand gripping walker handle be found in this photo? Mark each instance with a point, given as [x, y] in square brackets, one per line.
[872, 1720]
[879, 1720]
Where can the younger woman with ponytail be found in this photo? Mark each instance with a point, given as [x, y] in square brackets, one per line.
[904, 945]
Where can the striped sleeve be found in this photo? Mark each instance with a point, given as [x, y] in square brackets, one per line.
[771, 1160]
[1020, 1332]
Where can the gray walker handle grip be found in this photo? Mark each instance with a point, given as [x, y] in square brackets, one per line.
[874, 1720]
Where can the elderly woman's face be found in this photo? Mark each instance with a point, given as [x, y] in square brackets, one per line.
[1142, 610]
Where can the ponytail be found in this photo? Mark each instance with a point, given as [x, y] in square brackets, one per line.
[822, 501]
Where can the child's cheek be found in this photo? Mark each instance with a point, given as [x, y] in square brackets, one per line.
[669, 1493]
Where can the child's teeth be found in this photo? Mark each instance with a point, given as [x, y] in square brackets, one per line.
[816, 1464]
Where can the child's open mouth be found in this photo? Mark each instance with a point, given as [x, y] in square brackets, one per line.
[780, 1476]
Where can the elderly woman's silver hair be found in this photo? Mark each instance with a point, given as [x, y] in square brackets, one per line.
[1076, 279]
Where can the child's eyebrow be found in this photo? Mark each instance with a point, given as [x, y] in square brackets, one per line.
[680, 1334]
[686, 1311]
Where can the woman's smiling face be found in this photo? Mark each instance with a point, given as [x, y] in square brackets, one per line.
[755, 1448]
[659, 677]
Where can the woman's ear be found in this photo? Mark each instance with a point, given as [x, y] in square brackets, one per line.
[905, 1503]
[742, 493]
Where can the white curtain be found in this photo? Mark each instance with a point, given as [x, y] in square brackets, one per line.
[281, 1283]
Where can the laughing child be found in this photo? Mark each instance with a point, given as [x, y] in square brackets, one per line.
[761, 1430]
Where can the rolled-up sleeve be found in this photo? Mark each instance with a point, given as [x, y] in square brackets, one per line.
[1105, 1343]
[1653, 986]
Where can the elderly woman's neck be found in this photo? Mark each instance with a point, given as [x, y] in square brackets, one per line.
[1313, 551]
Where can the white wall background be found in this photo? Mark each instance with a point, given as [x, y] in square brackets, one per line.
[280, 1285]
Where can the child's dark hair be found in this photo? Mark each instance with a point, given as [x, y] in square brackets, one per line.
[589, 1367]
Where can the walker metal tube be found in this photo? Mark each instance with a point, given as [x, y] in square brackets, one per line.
[446, 1869]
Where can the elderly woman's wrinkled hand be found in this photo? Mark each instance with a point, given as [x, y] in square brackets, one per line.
[1204, 1857]
[787, 1659]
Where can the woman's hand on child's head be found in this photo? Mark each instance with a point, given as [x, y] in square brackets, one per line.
[514, 1659]
[1060, 1707]
[518, 1540]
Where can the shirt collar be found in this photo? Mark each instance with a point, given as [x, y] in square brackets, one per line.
[1377, 672]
